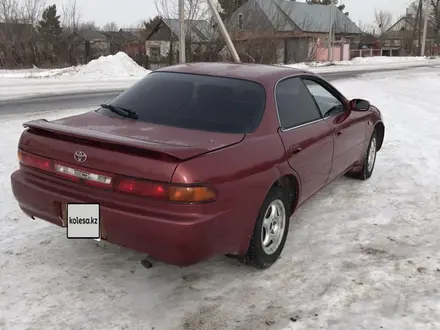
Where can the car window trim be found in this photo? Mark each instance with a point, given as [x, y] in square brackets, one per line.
[335, 93]
[278, 112]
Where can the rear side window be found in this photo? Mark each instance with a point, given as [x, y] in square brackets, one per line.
[197, 102]
[295, 104]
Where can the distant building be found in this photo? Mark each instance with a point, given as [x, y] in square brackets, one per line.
[295, 31]
[162, 44]
[86, 45]
[403, 36]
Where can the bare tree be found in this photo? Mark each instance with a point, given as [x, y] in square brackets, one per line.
[71, 14]
[89, 25]
[194, 9]
[434, 16]
[25, 11]
[32, 10]
[367, 28]
[9, 11]
[110, 26]
[383, 20]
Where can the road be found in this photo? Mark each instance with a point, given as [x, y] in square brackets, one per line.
[94, 99]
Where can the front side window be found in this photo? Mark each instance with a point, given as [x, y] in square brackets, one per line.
[328, 104]
[295, 104]
[196, 102]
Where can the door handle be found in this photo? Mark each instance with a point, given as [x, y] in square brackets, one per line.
[338, 133]
[295, 150]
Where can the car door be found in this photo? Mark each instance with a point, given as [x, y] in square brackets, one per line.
[348, 127]
[306, 136]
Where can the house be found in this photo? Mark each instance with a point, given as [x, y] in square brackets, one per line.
[16, 32]
[369, 41]
[124, 41]
[86, 45]
[162, 43]
[18, 42]
[403, 36]
[367, 46]
[290, 31]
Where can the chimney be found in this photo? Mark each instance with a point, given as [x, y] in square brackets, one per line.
[408, 12]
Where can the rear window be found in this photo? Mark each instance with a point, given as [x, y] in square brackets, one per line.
[196, 102]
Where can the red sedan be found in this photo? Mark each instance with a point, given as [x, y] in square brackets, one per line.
[197, 160]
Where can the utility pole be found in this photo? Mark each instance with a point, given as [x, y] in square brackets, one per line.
[330, 35]
[425, 28]
[223, 31]
[182, 31]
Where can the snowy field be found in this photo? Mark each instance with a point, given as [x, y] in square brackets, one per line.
[118, 72]
[112, 66]
[107, 73]
[359, 255]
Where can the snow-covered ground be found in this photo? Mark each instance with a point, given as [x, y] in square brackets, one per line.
[359, 255]
[374, 61]
[107, 73]
[119, 66]
[16, 89]
[118, 72]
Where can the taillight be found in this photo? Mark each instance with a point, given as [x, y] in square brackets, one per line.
[190, 194]
[174, 193]
[141, 188]
[31, 160]
[138, 187]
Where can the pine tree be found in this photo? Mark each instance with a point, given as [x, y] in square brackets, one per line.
[49, 29]
[50, 26]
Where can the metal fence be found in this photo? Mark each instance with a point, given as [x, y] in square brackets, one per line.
[374, 52]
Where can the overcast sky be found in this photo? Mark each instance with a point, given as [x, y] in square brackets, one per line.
[129, 12]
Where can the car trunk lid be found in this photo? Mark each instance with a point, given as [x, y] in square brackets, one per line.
[120, 146]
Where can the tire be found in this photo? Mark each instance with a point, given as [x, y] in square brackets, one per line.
[369, 159]
[262, 253]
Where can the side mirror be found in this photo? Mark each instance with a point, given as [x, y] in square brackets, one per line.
[359, 105]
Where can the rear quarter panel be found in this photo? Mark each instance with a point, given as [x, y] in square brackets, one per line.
[242, 175]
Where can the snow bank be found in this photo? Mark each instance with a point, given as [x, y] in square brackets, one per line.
[384, 59]
[121, 66]
[362, 63]
[359, 255]
[117, 66]
[113, 66]
[16, 89]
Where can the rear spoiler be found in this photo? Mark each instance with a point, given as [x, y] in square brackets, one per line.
[176, 152]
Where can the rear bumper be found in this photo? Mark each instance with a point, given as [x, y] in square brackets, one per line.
[171, 236]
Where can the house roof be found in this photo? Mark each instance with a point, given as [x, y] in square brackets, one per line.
[121, 35]
[196, 30]
[10, 32]
[286, 15]
[411, 22]
[368, 39]
[90, 35]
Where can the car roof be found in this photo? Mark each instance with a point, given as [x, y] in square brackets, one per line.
[255, 72]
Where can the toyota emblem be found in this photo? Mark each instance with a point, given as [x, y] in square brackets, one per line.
[80, 156]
